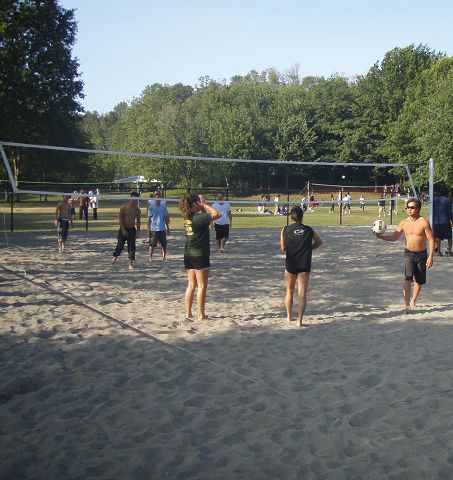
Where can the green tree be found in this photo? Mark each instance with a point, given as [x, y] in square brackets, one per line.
[101, 131]
[424, 128]
[378, 99]
[40, 89]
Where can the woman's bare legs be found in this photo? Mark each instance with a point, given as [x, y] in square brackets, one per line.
[290, 282]
[302, 285]
[190, 292]
[196, 278]
[202, 277]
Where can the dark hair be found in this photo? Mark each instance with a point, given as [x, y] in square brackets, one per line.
[135, 194]
[297, 214]
[186, 205]
[417, 202]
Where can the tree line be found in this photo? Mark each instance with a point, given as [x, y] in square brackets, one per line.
[399, 111]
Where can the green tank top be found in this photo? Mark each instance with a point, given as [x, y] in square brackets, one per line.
[197, 235]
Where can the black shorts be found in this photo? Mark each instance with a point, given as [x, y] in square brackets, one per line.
[442, 231]
[196, 262]
[295, 271]
[63, 229]
[222, 231]
[158, 237]
[415, 266]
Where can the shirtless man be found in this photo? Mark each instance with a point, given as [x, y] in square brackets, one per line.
[62, 219]
[129, 229]
[416, 259]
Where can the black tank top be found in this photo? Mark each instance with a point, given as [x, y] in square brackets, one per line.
[299, 240]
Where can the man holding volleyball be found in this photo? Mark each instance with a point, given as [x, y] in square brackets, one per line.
[416, 258]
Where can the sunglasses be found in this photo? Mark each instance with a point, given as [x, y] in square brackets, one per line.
[410, 207]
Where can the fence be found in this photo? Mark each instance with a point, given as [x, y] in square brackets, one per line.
[252, 209]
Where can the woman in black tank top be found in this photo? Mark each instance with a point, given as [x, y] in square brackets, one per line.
[297, 241]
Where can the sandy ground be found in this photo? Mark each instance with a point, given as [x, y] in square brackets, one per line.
[365, 392]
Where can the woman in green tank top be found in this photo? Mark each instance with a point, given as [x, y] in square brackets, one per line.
[198, 215]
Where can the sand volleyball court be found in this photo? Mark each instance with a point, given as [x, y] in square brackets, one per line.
[102, 378]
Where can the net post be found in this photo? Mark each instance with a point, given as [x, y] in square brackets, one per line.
[12, 209]
[341, 205]
[8, 168]
[431, 188]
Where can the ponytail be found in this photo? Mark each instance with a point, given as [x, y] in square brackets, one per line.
[186, 205]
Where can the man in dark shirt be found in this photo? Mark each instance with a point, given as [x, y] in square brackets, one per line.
[442, 221]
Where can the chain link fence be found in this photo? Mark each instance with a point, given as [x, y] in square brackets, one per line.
[250, 209]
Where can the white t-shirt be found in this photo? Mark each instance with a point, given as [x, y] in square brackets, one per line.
[223, 208]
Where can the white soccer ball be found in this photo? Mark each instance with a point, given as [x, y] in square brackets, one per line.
[379, 226]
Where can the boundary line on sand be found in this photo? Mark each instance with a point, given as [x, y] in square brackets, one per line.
[22, 274]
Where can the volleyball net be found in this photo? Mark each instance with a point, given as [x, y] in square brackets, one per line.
[260, 192]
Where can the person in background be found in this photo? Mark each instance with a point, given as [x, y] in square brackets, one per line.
[71, 205]
[392, 207]
[62, 219]
[362, 203]
[276, 204]
[223, 224]
[83, 205]
[94, 203]
[332, 204]
[158, 227]
[153, 196]
[311, 205]
[381, 206]
[129, 230]
[442, 221]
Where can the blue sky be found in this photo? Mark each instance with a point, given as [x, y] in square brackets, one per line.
[123, 46]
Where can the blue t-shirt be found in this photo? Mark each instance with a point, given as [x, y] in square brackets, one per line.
[157, 214]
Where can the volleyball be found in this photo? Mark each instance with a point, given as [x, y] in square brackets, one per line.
[379, 226]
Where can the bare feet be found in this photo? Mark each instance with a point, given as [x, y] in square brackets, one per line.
[413, 306]
[131, 268]
[203, 317]
[114, 259]
[407, 309]
[289, 319]
[299, 323]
